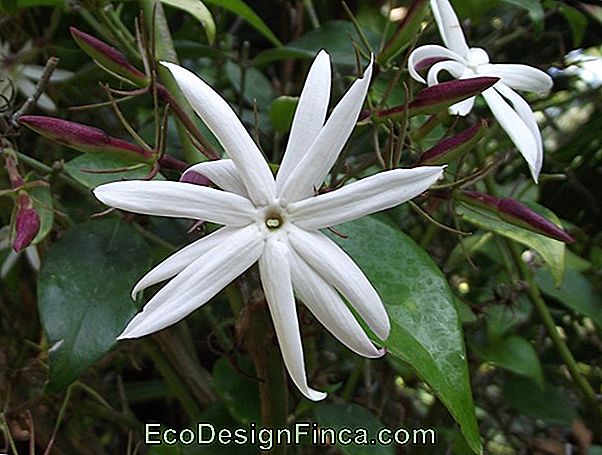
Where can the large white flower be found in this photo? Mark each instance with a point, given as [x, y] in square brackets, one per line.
[512, 112]
[274, 222]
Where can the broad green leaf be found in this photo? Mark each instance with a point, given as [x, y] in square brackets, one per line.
[501, 319]
[547, 403]
[577, 21]
[352, 416]
[282, 111]
[241, 9]
[200, 12]
[335, 37]
[425, 328]
[79, 168]
[514, 354]
[238, 392]
[83, 293]
[533, 7]
[576, 292]
[552, 251]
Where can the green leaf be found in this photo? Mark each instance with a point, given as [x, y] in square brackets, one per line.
[83, 293]
[534, 8]
[200, 12]
[425, 328]
[352, 416]
[240, 8]
[238, 392]
[282, 112]
[514, 354]
[552, 251]
[575, 292]
[549, 404]
[335, 37]
[577, 21]
[78, 169]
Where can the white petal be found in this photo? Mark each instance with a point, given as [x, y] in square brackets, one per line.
[339, 270]
[516, 128]
[27, 88]
[324, 151]
[35, 72]
[430, 52]
[227, 128]
[31, 253]
[179, 200]
[274, 269]
[309, 116]
[371, 194]
[328, 307]
[449, 27]
[9, 262]
[198, 283]
[526, 114]
[463, 108]
[223, 173]
[519, 77]
[178, 261]
[457, 70]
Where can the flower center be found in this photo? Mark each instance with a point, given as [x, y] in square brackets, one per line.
[273, 221]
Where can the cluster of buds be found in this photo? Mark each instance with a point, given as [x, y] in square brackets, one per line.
[26, 220]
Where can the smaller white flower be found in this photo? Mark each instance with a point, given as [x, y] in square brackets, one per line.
[23, 77]
[274, 222]
[512, 112]
[31, 253]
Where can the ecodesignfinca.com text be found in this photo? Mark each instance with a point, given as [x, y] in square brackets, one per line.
[266, 438]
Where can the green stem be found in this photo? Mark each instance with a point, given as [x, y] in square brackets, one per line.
[560, 345]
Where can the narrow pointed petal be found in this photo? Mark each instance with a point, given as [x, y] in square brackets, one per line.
[457, 70]
[179, 200]
[33, 257]
[178, 261]
[309, 116]
[321, 156]
[328, 307]
[223, 173]
[9, 262]
[449, 27]
[339, 270]
[371, 194]
[524, 111]
[274, 269]
[520, 77]
[197, 283]
[225, 125]
[463, 108]
[430, 53]
[27, 88]
[516, 128]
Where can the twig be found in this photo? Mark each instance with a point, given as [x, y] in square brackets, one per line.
[51, 65]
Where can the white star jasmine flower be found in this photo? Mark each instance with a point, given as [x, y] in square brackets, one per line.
[274, 222]
[23, 77]
[512, 112]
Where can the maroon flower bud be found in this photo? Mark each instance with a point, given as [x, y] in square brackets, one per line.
[453, 147]
[517, 213]
[27, 222]
[108, 57]
[195, 178]
[83, 137]
[13, 173]
[434, 99]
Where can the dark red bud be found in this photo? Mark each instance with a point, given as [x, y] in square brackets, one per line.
[27, 223]
[195, 178]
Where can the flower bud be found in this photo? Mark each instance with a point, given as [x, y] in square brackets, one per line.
[108, 58]
[516, 213]
[83, 137]
[406, 32]
[195, 178]
[434, 99]
[453, 147]
[27, 222]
